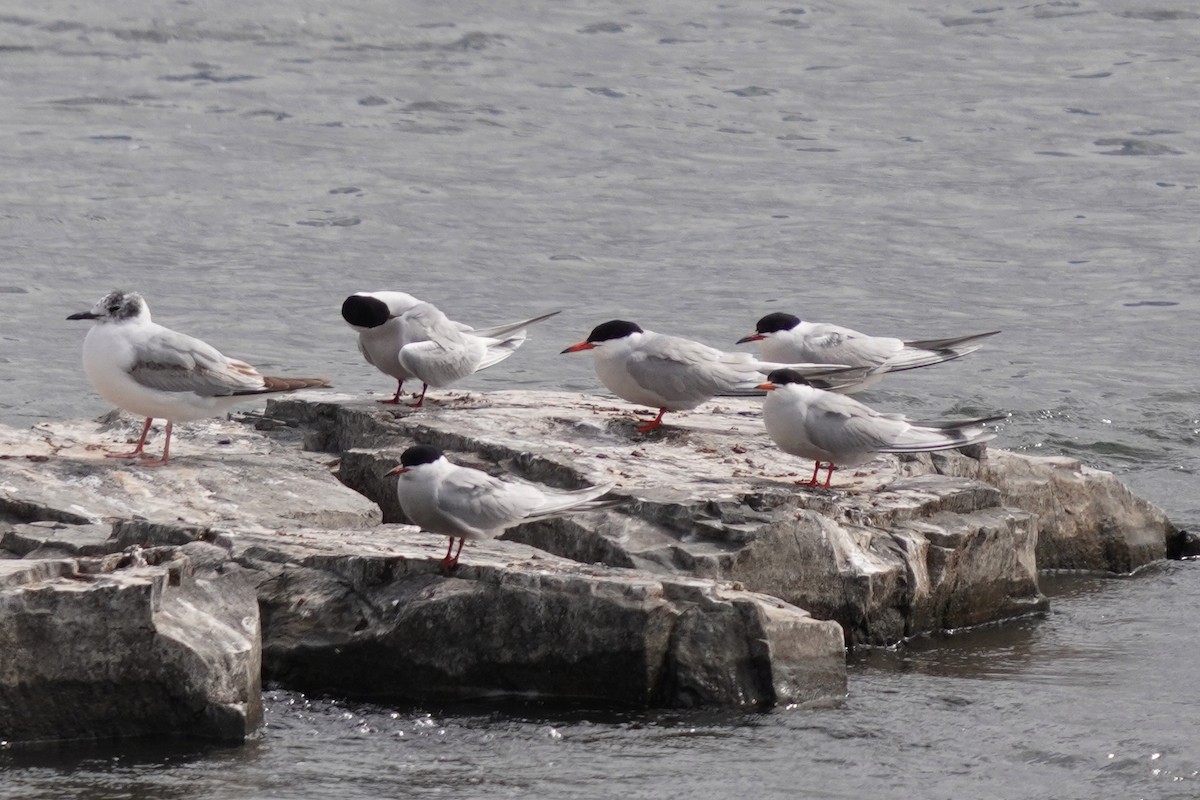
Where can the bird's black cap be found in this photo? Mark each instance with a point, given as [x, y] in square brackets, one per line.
[365, 311]
[419, 454]
[773, 323]
[782, 377]
[613, 329]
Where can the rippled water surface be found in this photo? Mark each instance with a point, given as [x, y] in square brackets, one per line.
[912, 170]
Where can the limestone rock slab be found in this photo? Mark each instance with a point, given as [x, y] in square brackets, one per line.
[893, 551]
[369, 614]
[164, 642]
[221, 472]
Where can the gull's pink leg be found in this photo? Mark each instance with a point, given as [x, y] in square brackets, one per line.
[137, 451]
[162, 462]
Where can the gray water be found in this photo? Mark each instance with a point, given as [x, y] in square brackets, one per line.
[907, 170]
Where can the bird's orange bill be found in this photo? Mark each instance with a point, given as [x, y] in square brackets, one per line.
[579, 347]
[768, 386]
[754, 337]
[396, 471]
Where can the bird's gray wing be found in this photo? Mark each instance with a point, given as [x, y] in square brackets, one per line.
[682, 370]
[435, 350]
[175, 362]
[484, 502]
[949, 343]
[840, 424]
[441, 364]
[510, 330]
[834, 345]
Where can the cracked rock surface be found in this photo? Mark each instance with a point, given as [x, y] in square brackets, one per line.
[720, 582]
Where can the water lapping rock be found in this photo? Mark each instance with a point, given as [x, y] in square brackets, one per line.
[720, 582]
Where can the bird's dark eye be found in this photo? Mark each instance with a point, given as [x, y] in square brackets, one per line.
[113, 309]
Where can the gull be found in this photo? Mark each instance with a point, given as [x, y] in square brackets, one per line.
[671, 373]
[784, 337]
[842, 432]
[465, 503]
[389, 322]
[152, 371]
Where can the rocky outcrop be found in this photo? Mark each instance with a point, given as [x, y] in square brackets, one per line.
[370, 614]
[1086, 518]
[161, 641]
[900, 547]
[720, 582]
[353, 607]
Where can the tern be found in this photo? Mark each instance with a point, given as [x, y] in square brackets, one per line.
[671, 373]
[152, 371]
[443, 351]
[465, 503]
[839, 431]
[785, 338]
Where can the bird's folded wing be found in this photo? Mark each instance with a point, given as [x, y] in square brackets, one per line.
[510, 330]
[174, 362]
[851, 349]
[685, 378]
[483, 502]
[438, 364]
[850, 427]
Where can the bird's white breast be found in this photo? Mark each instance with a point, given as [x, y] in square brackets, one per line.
[611, 362]
[381, 346]
[787, 415]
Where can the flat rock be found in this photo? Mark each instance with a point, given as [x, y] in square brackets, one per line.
[160, 642]
[221, 472]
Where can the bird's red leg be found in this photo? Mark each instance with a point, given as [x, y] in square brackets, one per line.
[162, 462]
[813, 480]
[829, 474]
[395, 401]
[420, 400]
[137, 451]
[654, 424]
[449, 563]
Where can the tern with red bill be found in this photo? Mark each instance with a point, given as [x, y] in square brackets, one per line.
[671, 373]
[465, 503]
[155, 372]
[785, 338]
[840, 431]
